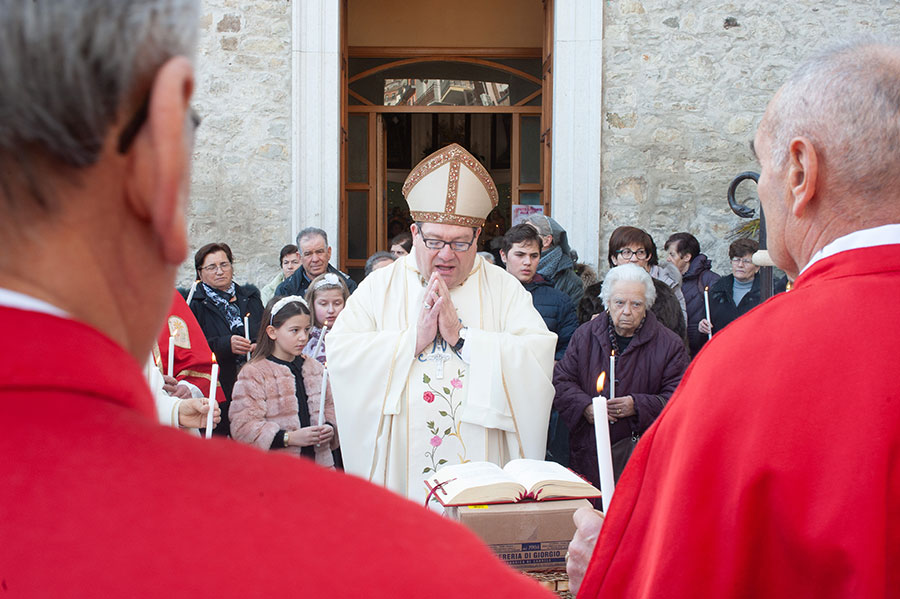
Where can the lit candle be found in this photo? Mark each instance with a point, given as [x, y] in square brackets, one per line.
[604, 449]
[247, 330]
[193, 289]
[171, 368]
[213, 380]
[706, 301]
[322, 398]
[612, 375]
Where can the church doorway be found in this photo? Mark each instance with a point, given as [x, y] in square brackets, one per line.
[402, 104]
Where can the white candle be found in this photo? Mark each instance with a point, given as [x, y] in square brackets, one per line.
[247, 330]
[604, 449]
[612, 375]
[322, 398]
[191, 294]
[319, 342]
[171, 368]
[706, 301]
[213, 379]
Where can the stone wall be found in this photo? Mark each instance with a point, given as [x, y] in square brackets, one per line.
[242, 168]
[685, 84]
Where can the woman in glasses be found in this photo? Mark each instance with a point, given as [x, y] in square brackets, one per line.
[739, 292]
[630, 245]
[220, 306]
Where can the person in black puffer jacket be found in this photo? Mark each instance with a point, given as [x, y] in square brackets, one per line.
[683, 250]
[521, 252]
[220, 306]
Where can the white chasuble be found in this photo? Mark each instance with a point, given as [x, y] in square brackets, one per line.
[401, 415]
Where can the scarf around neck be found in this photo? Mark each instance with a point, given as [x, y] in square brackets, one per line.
[222, 301]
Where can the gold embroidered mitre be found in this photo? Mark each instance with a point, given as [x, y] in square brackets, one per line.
[450, 187]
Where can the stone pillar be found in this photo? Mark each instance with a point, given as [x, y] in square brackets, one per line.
[577, 124]
[316, 118]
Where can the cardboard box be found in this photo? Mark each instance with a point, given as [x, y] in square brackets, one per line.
[532, 535]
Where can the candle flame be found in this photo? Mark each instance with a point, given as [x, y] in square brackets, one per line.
[214, 358]
[613, 354]
[247, 315]
[601, 382]
[706, 288]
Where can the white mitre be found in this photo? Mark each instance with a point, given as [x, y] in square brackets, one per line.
[450, 187]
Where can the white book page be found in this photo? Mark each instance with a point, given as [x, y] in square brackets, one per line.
[469, 476]
[533, 472]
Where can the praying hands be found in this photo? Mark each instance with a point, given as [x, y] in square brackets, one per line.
[437, 315]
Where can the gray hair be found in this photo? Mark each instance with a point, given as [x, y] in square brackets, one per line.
[70, 67]
[312, 232]
[375, 259]
[632, 273]
[846, 101]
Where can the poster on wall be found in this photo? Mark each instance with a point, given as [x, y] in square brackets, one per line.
[521, 211]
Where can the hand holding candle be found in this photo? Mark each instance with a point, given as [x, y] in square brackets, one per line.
[604, 449]
[213, 380]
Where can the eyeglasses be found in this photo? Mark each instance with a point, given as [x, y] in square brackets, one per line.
[130, 131]
[744, 261]
[224, 267]
[456, 246]
[627, 253]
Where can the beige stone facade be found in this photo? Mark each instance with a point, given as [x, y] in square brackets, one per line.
[683, 86]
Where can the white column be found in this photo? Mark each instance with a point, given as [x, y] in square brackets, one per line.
[316, 118]
[578, 123]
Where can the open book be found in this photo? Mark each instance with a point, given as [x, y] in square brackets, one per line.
[484, 482]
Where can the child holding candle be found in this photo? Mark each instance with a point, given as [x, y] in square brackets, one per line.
[276, 397]
[327, 295]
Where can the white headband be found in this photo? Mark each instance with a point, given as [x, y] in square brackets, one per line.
[284, 302]
[329, 278]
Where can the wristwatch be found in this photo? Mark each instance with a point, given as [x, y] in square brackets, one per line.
[287, 436]
[457, 347]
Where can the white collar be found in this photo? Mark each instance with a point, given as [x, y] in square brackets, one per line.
[883, 235]
[14, 299]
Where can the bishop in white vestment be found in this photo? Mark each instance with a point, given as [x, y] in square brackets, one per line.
[440, 358]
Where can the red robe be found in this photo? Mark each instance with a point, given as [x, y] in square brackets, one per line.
[775, 469]
[98, 500]
[193, 357]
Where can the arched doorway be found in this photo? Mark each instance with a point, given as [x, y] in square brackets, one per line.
[401, 104]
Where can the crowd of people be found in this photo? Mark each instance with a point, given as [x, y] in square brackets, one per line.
[437, 357]
[649, 310]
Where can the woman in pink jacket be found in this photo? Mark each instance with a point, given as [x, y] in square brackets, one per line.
[275, 403]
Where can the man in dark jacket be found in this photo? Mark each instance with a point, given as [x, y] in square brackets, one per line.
[683, 250]
[557, 263]
[521, 252]
[315, 254]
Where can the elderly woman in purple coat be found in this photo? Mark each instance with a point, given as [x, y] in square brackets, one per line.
[650, 360]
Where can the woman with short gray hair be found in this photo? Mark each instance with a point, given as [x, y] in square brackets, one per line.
[650, 360]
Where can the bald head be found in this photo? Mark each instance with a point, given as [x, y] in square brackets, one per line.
[846, 101]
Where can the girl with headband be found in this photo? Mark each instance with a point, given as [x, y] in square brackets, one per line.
[276, 397]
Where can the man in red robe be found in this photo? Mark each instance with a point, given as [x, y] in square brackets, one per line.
[96, 498]
[192, 356]
[775, 469]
